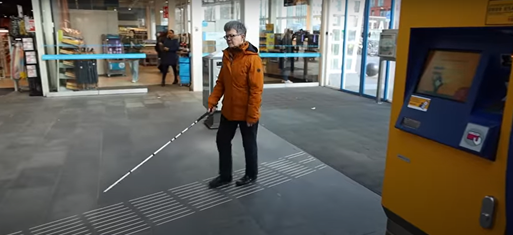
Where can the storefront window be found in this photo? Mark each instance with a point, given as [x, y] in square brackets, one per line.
[216, 15]
[289, 41]
[97, 45]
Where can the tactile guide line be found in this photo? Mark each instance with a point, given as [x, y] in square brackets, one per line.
[141, 214]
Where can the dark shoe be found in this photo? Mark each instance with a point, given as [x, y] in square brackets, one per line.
[218, 182]
[245, 180]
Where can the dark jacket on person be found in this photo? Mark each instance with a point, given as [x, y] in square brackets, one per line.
[169, 57]
[157, 46]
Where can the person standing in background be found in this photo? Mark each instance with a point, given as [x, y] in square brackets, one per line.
[133, 45]
[169, 58]
[287, 42]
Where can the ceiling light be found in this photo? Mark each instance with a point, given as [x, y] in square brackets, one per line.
[129, 9]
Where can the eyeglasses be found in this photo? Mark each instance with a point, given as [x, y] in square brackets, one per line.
[231, 36]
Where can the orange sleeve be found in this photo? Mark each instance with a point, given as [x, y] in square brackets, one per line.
[256, 87]
[218, 91]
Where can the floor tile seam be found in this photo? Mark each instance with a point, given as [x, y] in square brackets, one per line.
[100, 167]
[53, 192]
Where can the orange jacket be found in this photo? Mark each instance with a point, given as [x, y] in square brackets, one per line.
[241, 81]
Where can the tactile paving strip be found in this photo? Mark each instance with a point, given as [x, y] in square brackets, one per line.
[143, 213]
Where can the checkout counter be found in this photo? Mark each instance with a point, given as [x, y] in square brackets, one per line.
[447, 170]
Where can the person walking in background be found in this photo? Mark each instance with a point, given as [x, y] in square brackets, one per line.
[287, 41]
[169, 57]
[160, 38]
[241, 82]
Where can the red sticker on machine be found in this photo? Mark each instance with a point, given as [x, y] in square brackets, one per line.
[474, 137]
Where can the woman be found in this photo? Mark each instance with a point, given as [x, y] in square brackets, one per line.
[169, 57]
[241, 82]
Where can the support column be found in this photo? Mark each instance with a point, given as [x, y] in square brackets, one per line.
[40, 42]
[158, 14]
[323, 43]
[273, 14]
[250, 16]
[149, 23]
[185, 19]
[196, 45]
[309, 18]
[171, 5]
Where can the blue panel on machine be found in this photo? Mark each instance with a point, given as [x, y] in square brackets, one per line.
[456, 84]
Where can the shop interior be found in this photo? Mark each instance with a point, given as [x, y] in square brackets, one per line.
[120, 27]
[288, 38]
[288, 67]
[16, 23]
[288, 42]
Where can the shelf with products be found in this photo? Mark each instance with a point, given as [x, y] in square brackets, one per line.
[5, 54]
[70, 41]
[137, 33]
[75, 74]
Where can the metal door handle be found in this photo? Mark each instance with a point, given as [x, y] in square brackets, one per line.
[487, 215]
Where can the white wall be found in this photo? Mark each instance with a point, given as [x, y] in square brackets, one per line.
[250, 16]
[92, 24]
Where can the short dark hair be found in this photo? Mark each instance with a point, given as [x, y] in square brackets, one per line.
[172, 31]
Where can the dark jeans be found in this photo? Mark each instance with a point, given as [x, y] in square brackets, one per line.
[224, 139]
[164, 68]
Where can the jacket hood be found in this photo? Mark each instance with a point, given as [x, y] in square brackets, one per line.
[246, 47]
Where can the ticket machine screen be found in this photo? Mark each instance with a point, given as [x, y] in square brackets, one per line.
[448, 74]
[456, 84]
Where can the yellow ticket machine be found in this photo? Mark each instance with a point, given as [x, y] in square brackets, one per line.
[447, 169]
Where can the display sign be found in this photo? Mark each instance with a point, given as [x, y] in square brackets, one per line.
[28, 44]
[388, 44]
[20, 11]
[165, 12]
[474, 137]
[30, 57]
[289, 3]
[499, 12]
[269, 40]
[30, 26]
[269, 28]
[419, 103]
[31, 71]
[449, 74]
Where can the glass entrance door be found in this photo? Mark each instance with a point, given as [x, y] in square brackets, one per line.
[379, 19]
[335, 43]
[351, 79]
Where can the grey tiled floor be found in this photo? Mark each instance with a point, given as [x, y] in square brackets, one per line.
[57, 155]
[345, 131]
